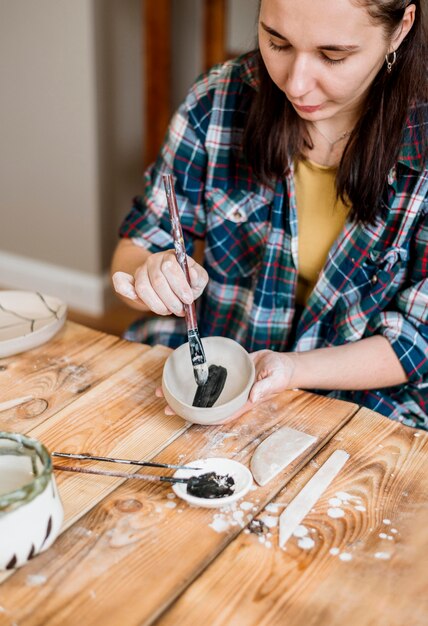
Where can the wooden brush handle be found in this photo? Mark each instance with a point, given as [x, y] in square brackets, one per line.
[180, 249]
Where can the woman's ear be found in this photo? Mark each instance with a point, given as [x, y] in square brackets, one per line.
[404, 28]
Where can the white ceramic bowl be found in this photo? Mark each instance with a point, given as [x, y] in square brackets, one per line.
[179, 386]
[31, 512]
[240, 474]
[27, 320]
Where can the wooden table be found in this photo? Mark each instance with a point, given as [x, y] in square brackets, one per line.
[130, 553]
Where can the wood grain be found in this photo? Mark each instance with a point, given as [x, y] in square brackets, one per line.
[128, 558]
[386, 580]
[58, 372]
[120, 417]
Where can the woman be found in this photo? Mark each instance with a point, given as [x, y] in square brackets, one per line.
[302, 167]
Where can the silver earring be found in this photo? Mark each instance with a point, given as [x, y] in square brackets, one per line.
[390, 61]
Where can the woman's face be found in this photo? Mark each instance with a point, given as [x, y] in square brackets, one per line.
[323, 54]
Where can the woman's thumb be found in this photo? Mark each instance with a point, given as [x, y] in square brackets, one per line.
[261, 389]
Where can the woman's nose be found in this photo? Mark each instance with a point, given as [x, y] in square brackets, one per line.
[300, 77]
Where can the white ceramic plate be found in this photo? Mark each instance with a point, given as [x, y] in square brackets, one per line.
[240, 474]
[28, 319]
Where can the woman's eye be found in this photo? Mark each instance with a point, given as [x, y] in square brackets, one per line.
[277, 48]
[330, 61]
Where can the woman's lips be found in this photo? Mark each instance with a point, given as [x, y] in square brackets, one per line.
[306, 109]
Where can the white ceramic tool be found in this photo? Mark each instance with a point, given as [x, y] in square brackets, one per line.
[277, 451]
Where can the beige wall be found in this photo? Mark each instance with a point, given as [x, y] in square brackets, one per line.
[48, 173]
[71, 133]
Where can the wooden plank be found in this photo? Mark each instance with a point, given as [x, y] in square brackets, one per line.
[58, 372]
[136, 551]
[120, 417]
[376, 573]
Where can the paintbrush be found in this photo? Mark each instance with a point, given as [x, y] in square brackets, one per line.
[210, 380]
[90, 457]
[208, 485]
[197, 354]
[149, 477]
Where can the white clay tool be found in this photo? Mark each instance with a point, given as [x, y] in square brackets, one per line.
[300, 506]
[277, 451]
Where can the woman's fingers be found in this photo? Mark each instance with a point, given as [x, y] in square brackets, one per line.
[147, 294]
[159, 394]
[161, 284]
[124, 285]
[176, 280]
[198, 277]
[273, 374]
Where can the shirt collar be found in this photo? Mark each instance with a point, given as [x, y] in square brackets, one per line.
[411, 150]
[249, 69]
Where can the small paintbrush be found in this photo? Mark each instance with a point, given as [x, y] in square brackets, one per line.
[91, 457]
[208, 485]
[197, 354]
[149, 477]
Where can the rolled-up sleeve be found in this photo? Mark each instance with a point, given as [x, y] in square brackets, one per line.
[406, 327]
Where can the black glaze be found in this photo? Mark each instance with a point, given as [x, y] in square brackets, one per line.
[206, 395]
[211, 485]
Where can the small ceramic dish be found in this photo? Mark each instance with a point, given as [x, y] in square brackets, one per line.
[31, 512]
[27, 320]
[179, 386]
[240, 474]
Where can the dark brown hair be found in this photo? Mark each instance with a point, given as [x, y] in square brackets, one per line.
[275, 134]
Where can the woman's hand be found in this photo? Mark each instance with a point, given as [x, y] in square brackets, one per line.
[274, 373]
[160, 284]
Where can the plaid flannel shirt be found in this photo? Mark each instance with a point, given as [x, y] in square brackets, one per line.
[375, 279]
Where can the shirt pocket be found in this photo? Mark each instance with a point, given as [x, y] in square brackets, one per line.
[237, 230]
[379, 276]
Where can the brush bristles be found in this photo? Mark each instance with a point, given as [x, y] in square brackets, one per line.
[201, 374]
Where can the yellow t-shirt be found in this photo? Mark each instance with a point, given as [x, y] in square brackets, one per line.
[320, 218]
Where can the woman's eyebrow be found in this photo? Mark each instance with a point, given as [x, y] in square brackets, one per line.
[338, 48]
[331, 47]
[273, 32]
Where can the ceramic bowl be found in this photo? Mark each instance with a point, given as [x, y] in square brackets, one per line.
[27, 320]
[240, 474]
[179, 386]
[31, 512]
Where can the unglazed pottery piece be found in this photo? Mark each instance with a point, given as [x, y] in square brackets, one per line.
[28, 319]
[277, 451]
[179, 385]
[31, 512]
[240, 474]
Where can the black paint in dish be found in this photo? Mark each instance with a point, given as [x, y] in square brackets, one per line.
[211, 485]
